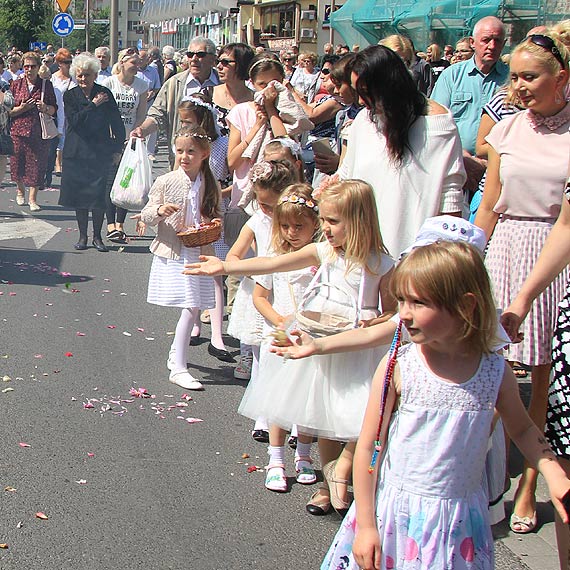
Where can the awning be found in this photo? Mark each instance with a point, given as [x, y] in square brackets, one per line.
[341, 22]
[154, 11]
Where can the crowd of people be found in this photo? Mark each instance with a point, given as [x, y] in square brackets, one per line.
[364, 301]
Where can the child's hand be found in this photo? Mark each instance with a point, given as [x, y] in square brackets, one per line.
[511, 322]
[167, 210]
[366, 549]
[141, 226]
[270, 96]
[304, 346]
[209, 265]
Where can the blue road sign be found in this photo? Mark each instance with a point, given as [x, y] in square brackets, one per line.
[39, 45]
[62, 24]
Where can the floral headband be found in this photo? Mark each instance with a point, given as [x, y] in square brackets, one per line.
[191, 135]
[199, 102]
[289, 143]
[260, 171]
[300, 200]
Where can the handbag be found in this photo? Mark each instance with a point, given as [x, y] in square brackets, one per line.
[134, 177]
[328, 309]
[49, 128]
[234, 220]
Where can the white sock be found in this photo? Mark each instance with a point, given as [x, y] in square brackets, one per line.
[182, 338]
[303, 450]
[276, 455]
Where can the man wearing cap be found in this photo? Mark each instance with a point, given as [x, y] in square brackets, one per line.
[198, 78]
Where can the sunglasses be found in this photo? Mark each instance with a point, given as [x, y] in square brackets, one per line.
[224, 62]
[67, 62]
[199, 54]
[288, 59]
[325, 71]
[131, 51]
[548, 44]
[463, 51]
[30, 66]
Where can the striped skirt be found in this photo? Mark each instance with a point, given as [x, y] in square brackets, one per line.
[513, 250]
[168, 287]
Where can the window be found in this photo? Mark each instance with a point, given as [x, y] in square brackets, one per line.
[135, 5]
[278, 21]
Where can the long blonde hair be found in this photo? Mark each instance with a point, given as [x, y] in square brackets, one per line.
[356, 206]
[452, 275]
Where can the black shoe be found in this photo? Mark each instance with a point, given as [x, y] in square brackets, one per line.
[220, 353]
[118, 236]
[194, 340]
[80, 245]
[292, 442]
[260, 435]
[99, 245]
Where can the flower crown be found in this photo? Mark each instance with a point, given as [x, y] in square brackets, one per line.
[260, 171]
[192, 135]
[300, 200]
[199, 102]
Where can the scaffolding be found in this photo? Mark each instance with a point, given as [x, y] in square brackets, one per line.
[441, 21]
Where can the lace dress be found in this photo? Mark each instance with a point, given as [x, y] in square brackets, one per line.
[431, 509]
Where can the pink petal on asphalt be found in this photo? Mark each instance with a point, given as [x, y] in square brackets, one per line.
[22, 444]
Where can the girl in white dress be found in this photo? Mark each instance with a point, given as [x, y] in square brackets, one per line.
[419, 499]
[327, 395]
[276, 297]
[268, 179]
[185, 197]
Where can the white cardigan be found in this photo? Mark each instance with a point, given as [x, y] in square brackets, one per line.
[428, 183]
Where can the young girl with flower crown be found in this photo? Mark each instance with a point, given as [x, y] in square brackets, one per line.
[326, 396]
[187, 196]
[276, 297]
[419, 498]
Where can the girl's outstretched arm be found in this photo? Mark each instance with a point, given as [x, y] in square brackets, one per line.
[347, 341]
[530, 440]
[261, 302]
[304, 257]
[242, 244]
[366, 548]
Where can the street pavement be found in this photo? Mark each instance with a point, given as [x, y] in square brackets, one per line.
[127, 481]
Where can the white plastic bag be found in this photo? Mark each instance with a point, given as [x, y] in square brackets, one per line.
[134, 177]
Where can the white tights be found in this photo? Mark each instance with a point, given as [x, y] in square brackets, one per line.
[188, 318]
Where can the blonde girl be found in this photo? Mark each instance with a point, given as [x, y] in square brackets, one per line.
[327, 395]
[276, 297]
[418, 465]
[187, 196]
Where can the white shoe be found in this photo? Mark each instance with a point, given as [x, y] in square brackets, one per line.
[34, 207]
[185, 380]
[20, 199]
[243, 369]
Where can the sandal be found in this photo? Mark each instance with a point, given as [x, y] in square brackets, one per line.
[118, 236]
[320, 502]
[305, 473]
[339, 505]
[519, 371]
[523, 525]
[275, 479]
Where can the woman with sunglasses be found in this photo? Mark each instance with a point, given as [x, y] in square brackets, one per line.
[527, 169]
[232, 67]
[62, 81]
[130, 93]
[32, 96]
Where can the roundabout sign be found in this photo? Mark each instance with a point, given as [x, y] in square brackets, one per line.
[62, 24]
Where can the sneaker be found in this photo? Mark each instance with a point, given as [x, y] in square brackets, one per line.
[20, 199]
[243, 369]
[34, 207]
[185, 380]
[275, 479]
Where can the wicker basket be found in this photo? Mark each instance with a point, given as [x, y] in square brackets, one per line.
[203, 235]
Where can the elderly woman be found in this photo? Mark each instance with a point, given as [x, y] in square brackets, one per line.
[32, 96]
[94, 137]
[306, 76]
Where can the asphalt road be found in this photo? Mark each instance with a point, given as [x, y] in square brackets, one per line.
[129, 482]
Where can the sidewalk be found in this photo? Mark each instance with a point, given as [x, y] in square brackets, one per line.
[537, 550]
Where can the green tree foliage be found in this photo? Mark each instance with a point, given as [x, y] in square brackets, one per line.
[22, 21]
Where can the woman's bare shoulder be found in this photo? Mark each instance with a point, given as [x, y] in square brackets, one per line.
[435, 108]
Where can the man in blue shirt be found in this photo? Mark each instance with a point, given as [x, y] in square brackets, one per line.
[466, 87]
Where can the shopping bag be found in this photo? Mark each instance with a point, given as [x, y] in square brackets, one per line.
[134, 177]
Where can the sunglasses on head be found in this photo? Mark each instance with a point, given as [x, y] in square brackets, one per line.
[548, 44]
[200, 54]
[131, 51]
[224, 61]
